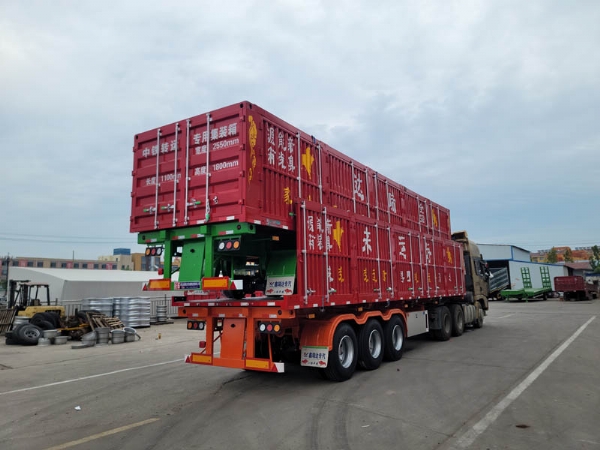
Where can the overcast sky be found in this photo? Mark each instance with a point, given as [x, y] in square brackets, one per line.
[489, 108]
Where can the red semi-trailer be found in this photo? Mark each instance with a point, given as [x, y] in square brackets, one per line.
[575, 288]
[290, 251]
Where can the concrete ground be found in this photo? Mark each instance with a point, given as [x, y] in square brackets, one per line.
[528, 379]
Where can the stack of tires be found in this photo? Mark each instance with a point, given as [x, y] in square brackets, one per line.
[24, 334]
[29, 333]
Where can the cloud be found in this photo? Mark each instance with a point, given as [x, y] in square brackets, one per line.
[488, 108]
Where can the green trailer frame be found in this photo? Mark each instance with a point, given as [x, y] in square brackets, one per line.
[529, 292]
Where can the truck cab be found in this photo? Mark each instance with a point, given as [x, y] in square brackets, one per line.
[477, 272]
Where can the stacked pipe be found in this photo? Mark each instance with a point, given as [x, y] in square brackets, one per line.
[133, 311]
[102, 305]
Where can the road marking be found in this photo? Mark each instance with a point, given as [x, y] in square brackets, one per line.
[469, 437]
[502, 317]
[89, 377]
[101, 435]
[94, 376]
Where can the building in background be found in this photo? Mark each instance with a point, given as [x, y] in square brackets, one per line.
[122, 259]
[577, 253]
[147, 263]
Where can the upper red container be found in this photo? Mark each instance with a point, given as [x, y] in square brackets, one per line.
[569, 284]
[256, 166]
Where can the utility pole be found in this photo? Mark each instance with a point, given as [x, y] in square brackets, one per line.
[6, 261]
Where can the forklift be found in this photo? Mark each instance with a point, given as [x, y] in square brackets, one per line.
[24, 296]
[32, 301]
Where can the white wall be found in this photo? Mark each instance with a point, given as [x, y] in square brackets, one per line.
[516, 282]
[493, 252]
[520, 255]
[74, 290]
[77, 284]
[54, 284]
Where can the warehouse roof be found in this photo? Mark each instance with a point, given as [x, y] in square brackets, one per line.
[579, 265]
[94, 275]
[506, 245]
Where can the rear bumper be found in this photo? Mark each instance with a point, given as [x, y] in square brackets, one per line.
[262, 365]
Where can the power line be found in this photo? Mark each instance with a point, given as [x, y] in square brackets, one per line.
[47, 241]
[59, 236]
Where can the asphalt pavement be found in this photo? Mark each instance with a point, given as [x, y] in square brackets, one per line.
[528, 379]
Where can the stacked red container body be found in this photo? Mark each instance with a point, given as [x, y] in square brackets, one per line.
[373, 238]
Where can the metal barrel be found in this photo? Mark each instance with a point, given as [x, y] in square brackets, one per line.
[103, 305]
[161, 313]
[117, 336]
[103, 334]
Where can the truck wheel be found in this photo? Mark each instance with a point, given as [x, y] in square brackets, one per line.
[370, 345]
[29, 334]
[446, 319]
[478, 323]
[458, 320]
[343, 357]
[393, 336]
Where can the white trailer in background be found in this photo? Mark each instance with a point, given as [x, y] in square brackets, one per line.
[516, 280]
[515, 258]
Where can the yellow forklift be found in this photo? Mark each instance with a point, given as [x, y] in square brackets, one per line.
[31, 302]
[24, 296]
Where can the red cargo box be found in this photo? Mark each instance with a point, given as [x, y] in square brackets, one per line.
[355, 259]
[569, 284]
[252, 162]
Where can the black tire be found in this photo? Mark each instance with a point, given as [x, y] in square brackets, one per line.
[469, 298]
[29, 334]
[11, 341]
[37, 318]
[343, 357]
[81, 315]
[370, 345]
[446, 320]
[45, 325]
[393, 338]
[46, 321]
[458, 320]
[53, 318]
[14, 330]
[478, 322]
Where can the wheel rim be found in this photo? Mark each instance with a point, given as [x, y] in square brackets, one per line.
[397, 337]
[375, 343]
[346, 351]
[32, 334]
